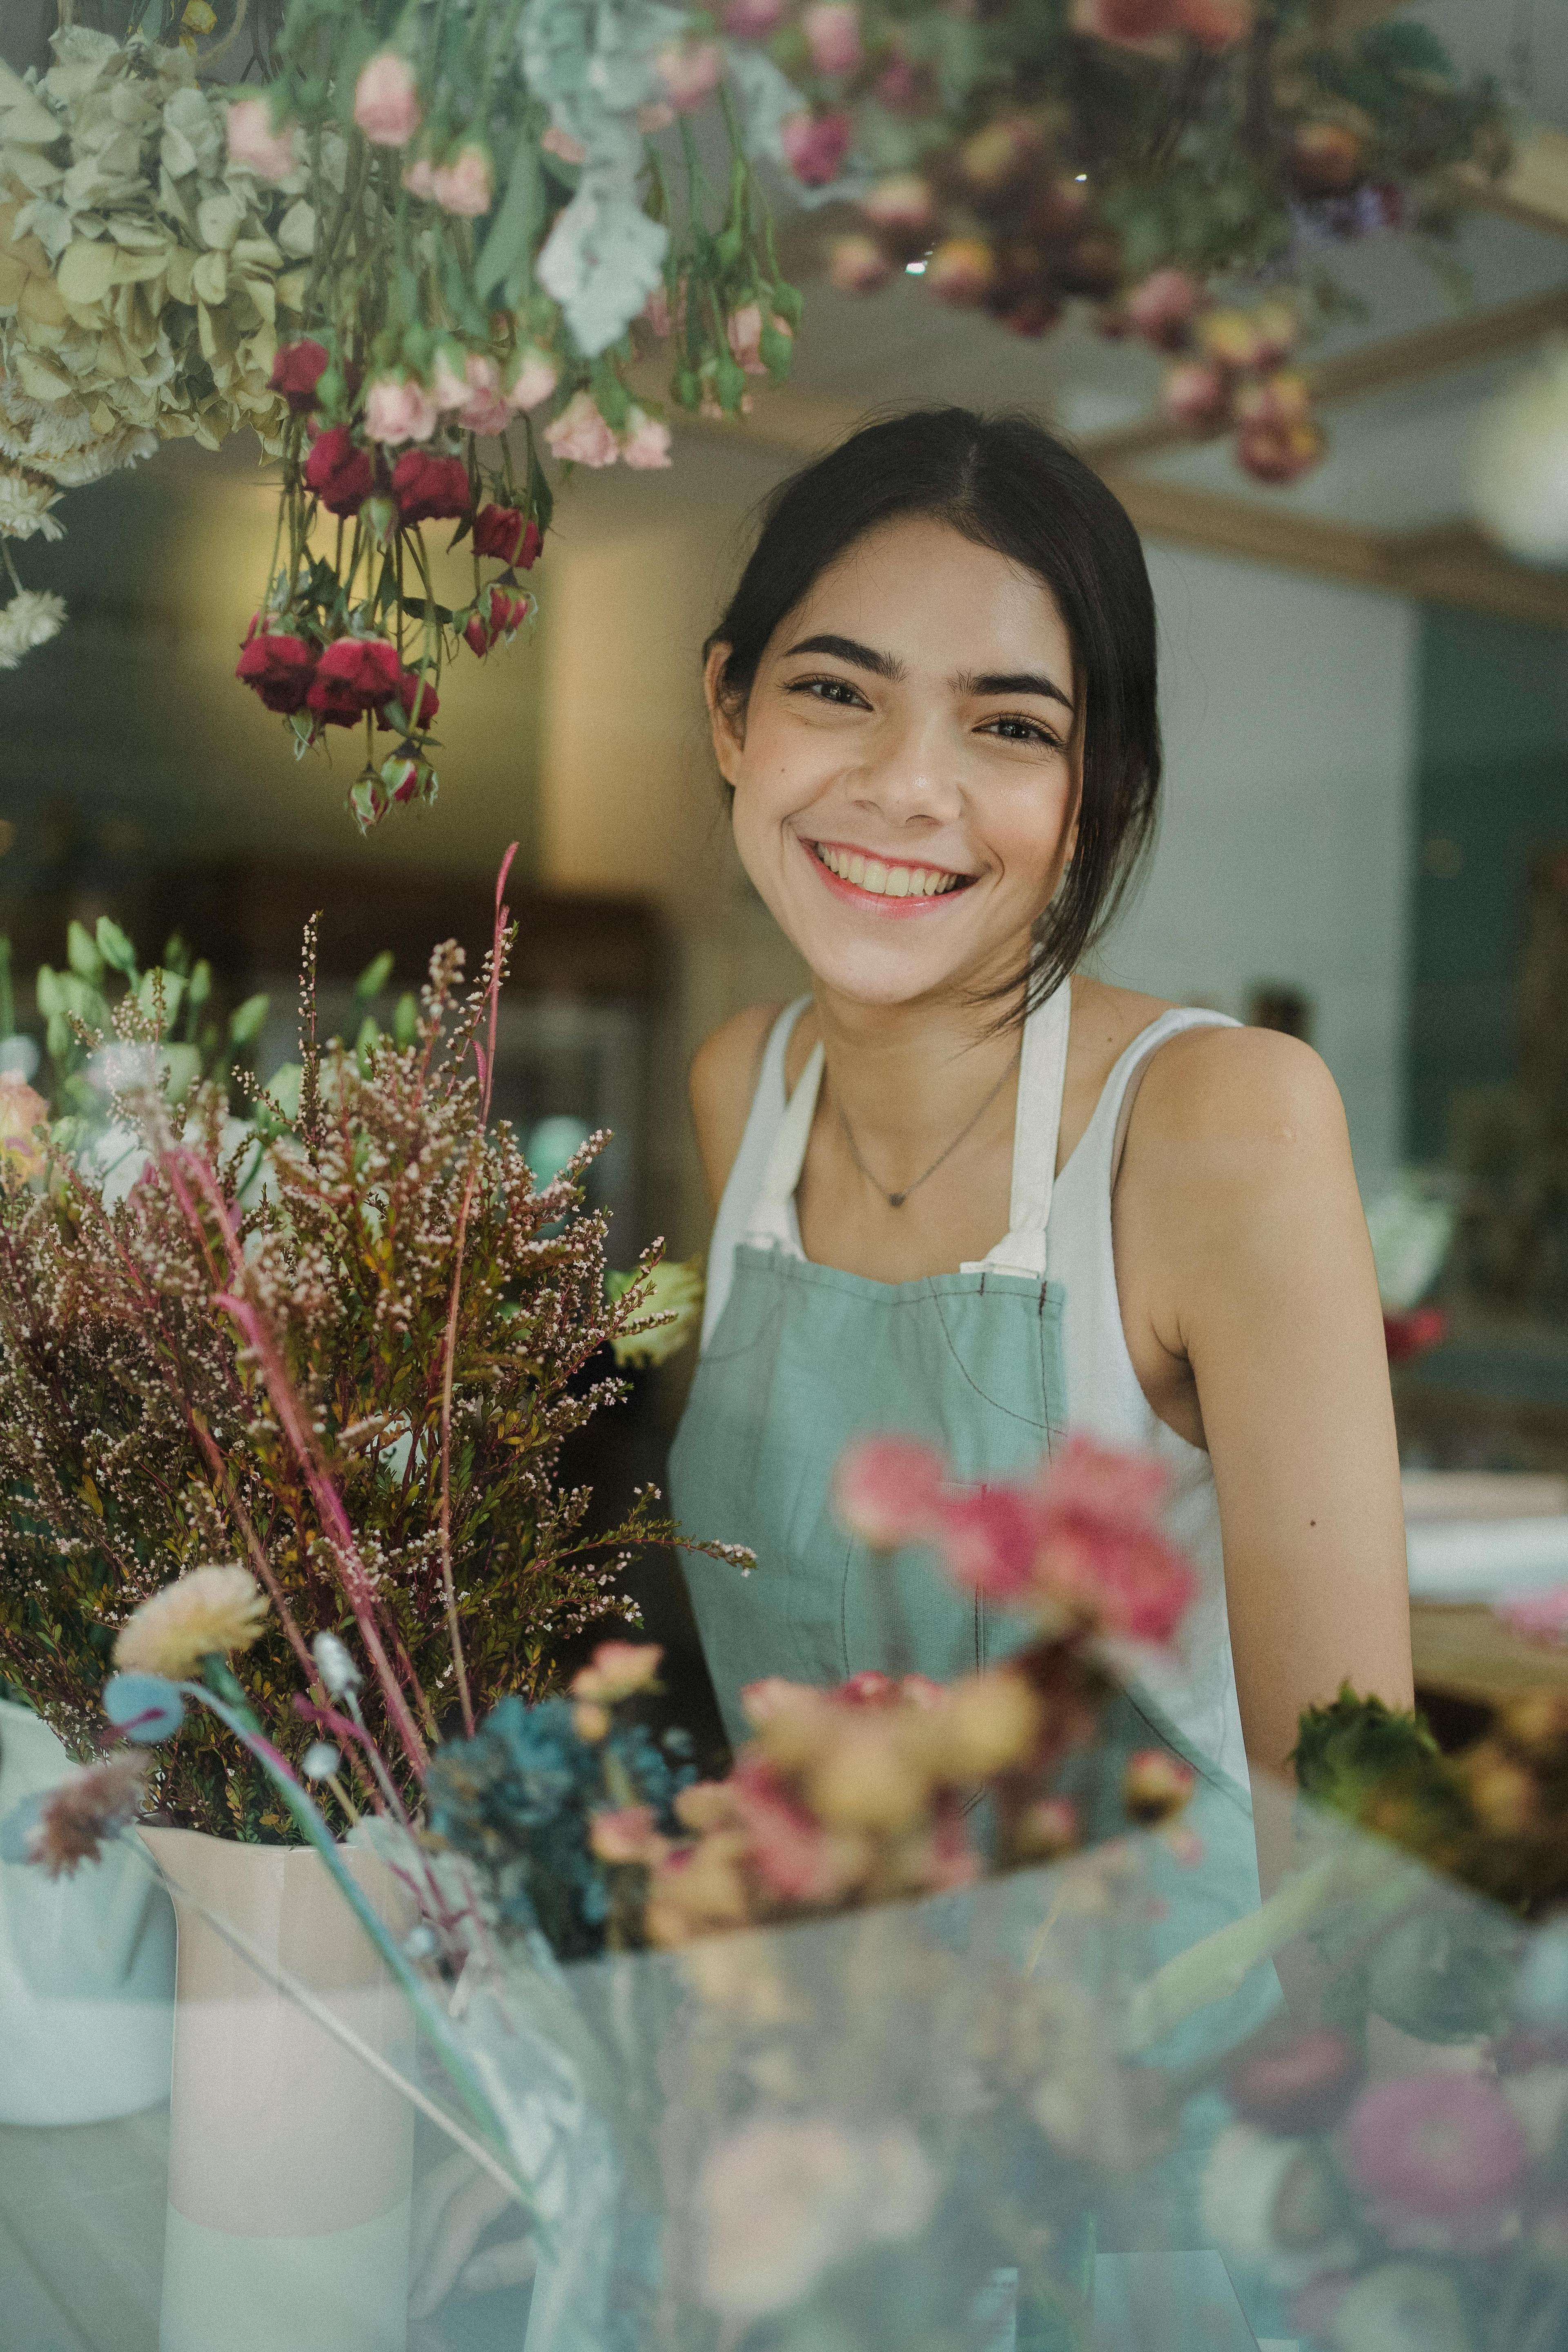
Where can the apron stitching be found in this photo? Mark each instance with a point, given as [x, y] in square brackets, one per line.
[1027, 1419]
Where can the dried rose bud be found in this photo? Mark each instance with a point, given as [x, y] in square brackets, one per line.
[1161, 310]
[1280, 454]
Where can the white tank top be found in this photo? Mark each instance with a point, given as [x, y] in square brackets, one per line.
[1194, 1682]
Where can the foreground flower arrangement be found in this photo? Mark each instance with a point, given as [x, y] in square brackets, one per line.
[423, 257]
[341, 1339]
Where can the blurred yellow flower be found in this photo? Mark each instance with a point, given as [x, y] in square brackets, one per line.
[673, 1287]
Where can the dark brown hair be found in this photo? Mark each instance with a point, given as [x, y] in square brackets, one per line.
[1004, 483]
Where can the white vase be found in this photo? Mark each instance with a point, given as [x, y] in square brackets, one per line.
[290, 2161]
[87, 1966]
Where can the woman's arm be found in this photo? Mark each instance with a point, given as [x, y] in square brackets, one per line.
[1249, 1292]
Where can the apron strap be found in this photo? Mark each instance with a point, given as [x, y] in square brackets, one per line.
[1036, 1132]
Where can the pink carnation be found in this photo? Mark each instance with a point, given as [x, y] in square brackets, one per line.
[253, 140]
[990, 1540]
[580, 436]
[815, 145]
[465, 186]
[832, 29]
[386, 100]
[399, 410]
[885, 1490]
[646, 444]
[1102, 1550]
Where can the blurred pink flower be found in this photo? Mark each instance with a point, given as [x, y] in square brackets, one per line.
[476, 395]
[857, 265]
[1439, 2146]
[752, 20]
[782, 2200]
[465, 186]
[1541, 1618]
[645, 446]
[991, 1539]
[386, 100]
[419, 178]
[1102, 1550]
[22, 1113]
[560, 143]
[832, 29]
[885, 1490]
[253, 140]
[535, 380]
[744, 330]
[794, 1857]
[628, 1836]
[579, 435]
[690, 74]
[815, 145]
[399, 410]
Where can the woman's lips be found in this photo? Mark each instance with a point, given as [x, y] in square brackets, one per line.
[880, 902]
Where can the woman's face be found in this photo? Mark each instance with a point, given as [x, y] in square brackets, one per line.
[906, 771]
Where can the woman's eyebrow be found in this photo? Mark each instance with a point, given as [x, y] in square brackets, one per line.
[1018, 681]
[847, 649]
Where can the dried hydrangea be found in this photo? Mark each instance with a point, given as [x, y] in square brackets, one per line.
[141, 272]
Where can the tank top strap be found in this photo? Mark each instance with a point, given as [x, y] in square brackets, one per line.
[747, 1176]
[1036, 1132]
[1105, 1137]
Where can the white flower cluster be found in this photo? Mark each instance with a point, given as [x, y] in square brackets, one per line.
[28, 621]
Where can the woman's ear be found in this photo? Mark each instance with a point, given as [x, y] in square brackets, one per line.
[728, 737]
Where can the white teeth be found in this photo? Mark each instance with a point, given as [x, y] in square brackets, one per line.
[887, 881]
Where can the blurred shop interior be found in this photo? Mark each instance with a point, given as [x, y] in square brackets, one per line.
[1365, 837]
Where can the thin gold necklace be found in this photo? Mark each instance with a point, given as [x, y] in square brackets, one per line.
[897, 1200]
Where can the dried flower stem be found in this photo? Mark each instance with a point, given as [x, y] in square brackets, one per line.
[448, 1356]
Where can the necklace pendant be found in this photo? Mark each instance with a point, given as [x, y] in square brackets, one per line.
[897, 1200]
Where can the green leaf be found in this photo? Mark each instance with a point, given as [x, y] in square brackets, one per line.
[47, 987]
[201, 983]
[375, 977]
[173, 990]
[81, 954]
[116, 948]
[247, 1021]
[406, 1020]
[513, 232]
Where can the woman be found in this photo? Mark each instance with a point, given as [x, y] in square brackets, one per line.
[967, 1191]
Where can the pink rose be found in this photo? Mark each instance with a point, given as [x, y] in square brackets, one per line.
[535, 380]
[580, 436]
[386, 100]
[690, 74]
[399, 410]
[744, 329]
[815, 146]
[464, 187]
[253, 140]
[1439, 2145]
[645, 445]
[832, 29]
[887, 1491]
[1102, 1550]
[752, 20]
[476, 395]
[419, 179]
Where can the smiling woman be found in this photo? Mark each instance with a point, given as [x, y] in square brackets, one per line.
[969, 1193]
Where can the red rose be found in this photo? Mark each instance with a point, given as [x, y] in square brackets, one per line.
[430, 489]
[508, 534]
[297, 371]
[279, 667]
[403, 688]
[501, 617]
[340, 474]
[352, 676]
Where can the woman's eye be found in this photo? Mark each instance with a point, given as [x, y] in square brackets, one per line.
[831, 689]
[1022, 731]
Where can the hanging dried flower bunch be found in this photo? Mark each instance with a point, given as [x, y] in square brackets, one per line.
[1133, 154]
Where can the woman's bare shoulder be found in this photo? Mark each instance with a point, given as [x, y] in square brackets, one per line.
[721, 1082]
[1105, 1020]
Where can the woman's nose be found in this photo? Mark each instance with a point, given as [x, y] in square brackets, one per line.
[910, 773]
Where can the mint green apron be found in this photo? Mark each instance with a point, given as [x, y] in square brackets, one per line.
[806, 1358]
